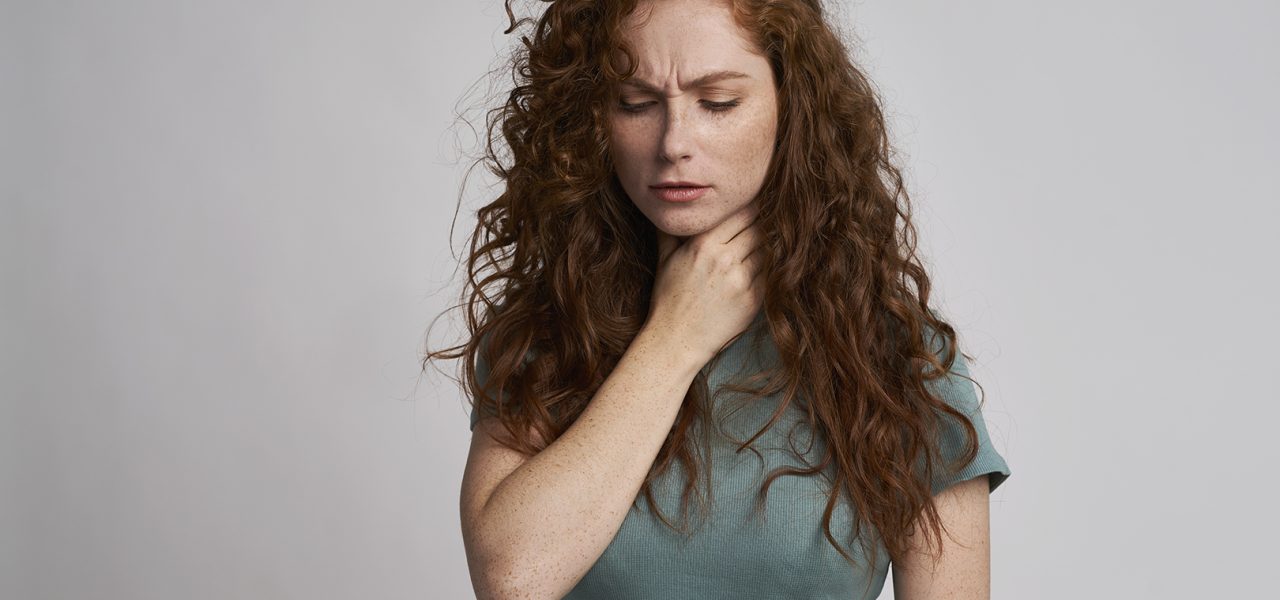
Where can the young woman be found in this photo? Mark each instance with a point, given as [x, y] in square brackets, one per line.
[706, 304]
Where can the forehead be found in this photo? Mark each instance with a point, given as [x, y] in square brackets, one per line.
[677, 40]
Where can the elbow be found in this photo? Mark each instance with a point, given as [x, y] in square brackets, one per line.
[501, 569]
[510, 580]
[495, 576]
[493, 584]
[498, 588]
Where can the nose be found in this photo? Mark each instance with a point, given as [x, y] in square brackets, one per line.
[675, 144]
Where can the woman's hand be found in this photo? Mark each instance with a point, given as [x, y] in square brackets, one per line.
[708, 289]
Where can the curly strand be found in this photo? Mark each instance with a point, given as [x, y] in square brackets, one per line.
[570, 265]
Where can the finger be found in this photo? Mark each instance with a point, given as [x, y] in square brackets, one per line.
[728, 229]
[755, 259]
[749, 219]
[749, 243]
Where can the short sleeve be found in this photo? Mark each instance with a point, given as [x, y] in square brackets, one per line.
[482, 375]
[960, 393]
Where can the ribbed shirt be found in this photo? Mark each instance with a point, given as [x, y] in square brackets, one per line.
[782, 553]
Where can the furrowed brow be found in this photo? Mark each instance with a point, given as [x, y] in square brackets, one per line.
[699, 81]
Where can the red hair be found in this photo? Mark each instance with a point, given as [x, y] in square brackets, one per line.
[561, 267]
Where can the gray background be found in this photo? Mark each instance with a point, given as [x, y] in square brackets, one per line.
[225, 231]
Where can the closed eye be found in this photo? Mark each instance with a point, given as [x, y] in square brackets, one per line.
[717, 107]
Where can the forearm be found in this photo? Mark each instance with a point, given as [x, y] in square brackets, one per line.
[548, 522]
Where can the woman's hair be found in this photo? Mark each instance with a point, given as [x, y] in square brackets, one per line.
[570, 265]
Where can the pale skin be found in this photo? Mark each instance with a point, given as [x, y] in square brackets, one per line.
[719, 131]
[702, 108]
[533, 526]
[964, 570]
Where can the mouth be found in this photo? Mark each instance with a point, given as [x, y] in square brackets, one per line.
[679, 193]
[678, 184]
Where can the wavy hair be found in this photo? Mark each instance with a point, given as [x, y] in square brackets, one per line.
[562, 265]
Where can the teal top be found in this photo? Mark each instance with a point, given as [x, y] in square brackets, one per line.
[783, 553]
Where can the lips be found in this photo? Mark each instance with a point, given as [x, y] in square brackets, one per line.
[679, 193]
[679, 184]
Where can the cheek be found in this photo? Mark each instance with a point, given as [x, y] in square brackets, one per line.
[753, 146]
[766, 132]
[624, 148]
[761, 144]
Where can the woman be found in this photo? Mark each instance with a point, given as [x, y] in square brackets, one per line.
[701, 286]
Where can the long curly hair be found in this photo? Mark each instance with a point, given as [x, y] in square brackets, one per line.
[562, 265]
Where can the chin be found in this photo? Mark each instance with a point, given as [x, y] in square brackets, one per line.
[683, 222]
[682, 227]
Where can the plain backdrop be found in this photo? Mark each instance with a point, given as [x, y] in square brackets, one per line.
[226, 231]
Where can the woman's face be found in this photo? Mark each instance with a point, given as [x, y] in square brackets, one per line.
[673, 123]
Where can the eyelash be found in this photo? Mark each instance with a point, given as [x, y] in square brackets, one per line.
[715, 107]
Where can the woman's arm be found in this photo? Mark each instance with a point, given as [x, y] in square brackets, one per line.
[533, 526]
[964, 570]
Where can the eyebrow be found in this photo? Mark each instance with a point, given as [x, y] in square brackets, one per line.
[699, 81]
